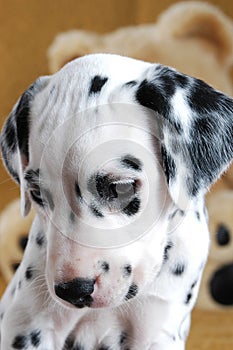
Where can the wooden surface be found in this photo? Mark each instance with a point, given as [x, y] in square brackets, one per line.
[27, 27]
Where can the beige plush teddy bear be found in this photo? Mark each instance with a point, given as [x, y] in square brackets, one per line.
[194, 37]
[217, 284]
[13, 238]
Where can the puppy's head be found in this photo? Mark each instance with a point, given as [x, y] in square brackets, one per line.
[104, 148]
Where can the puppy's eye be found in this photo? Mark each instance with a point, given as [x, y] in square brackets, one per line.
[37, 197]
[122, 190]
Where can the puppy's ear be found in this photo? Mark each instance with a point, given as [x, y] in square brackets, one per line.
[14, 139]
[196, 130]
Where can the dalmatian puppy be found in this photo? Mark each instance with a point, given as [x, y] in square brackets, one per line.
[116, 155]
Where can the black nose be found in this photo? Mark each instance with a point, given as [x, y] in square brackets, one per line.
[221, 285]
[77, 292]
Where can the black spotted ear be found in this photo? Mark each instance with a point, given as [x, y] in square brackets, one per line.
[196, 127]
[14, 139]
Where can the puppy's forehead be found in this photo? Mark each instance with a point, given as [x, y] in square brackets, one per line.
[87, 82]
[88, 103]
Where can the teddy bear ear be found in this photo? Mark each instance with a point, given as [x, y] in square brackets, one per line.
[70, 45]
[201, 21]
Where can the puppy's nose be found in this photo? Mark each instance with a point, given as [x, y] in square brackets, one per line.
[77, 292]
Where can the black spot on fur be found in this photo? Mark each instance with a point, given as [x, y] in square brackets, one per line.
[131, 83]
[78, 191]
[29, 272]
[132, 292]
[48, 199]
[168, 165]
[123, 338]
[10, 133]
[127, 270]
[178, 270]
[131, 162]
[156, 94]
[32, 177]
[40, 239]
[35, 337]
[78, 347]
[166, 249]
[176, 212]
[193, 284]
[211, 146]
[104, 188]
[103, 347]
[96, 212]
[37, 196]
[20, 284]
[5, 153]
[69, 343]
[1, 315]
[23, 242]
[96, 84]
[198, 215]
[105, 266]
[20, 342]
[188, 298]
[223, 235]
[72, 217]
[132, 208]
[149, 95]
[203, 98]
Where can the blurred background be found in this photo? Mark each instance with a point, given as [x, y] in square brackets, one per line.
[27, 29]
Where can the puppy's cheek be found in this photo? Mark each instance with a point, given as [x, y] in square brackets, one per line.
[144, 273]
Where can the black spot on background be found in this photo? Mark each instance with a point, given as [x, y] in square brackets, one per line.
[223, 235]
[15, 266]
[221, 285]
[23, 240]
[96, 84]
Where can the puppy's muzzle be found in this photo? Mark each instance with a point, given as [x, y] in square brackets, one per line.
[76, 292]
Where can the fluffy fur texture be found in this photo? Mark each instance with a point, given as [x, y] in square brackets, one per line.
[116, 155]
